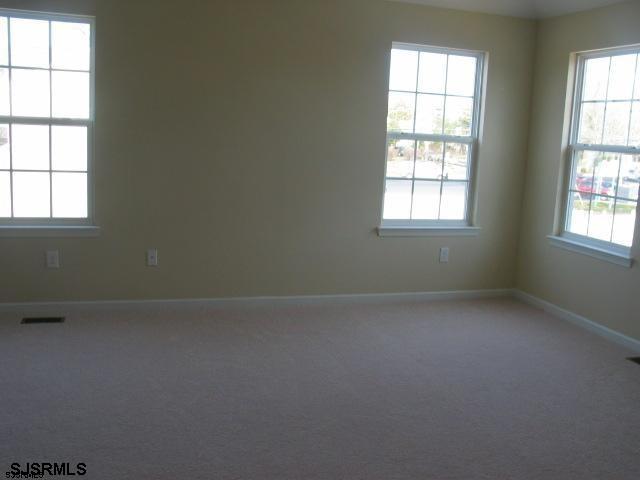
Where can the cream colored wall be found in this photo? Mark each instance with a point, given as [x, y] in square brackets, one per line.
[606, 293]
[245, 140]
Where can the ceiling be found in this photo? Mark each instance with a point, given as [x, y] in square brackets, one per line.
[518, 8]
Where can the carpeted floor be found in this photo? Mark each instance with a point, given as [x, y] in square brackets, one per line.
[487, 389]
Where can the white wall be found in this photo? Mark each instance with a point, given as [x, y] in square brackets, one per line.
[245, 140]
[603, 292]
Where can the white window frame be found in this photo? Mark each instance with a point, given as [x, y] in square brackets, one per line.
[594, 247]
[409, 227]
[50, 226]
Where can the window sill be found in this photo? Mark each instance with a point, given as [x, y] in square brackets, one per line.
[591, 251]
[428, 231]
[21, 231]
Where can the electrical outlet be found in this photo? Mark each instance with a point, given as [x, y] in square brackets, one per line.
[444, 255]
[152, 257]
[53, 259]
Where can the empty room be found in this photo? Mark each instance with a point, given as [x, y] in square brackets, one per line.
[320, 239]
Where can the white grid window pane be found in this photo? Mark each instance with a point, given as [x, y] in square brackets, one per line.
[461, 76]
[634, 128]
[605, 179]
[401, 112]
[429, 160]
[70, 45]
[433, 73]
[400, 158]
[5, 194]
[579, 205]
[397, 200]
[621, 78]
[5, 105]
[5, 147]
[426, 200]
[429, 113]
[30, 93]
[29, 43]
[624, 222]
[30, 147]
[601, 218]
[591, 123]
[70, 91]
[616, 124]
[584, 170]
[31, 195]
[636, 91]
[69, 195]
[69, 148]
[456, 162]
[404, 70]
[454, 201]
[4, 41]
[596, 79]
[459, 112]
[629, 177]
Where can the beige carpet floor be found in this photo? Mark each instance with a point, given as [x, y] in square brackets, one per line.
[487, 389]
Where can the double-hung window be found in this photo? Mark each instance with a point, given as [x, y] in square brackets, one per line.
[46, 119]
[432, 133]
[602, 193]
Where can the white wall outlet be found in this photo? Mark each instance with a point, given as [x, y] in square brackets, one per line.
[53, 259]
[152, 257]
[444, 255]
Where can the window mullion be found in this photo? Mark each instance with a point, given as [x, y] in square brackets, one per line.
[50, 128]
[11, 170]
[606, 97]
[10, 113]
[444, 154]
[429, 137]
[415, 141]
[568, 209]
[625, 150]
[615, 199]
[413, 176]
[415, 98]
[631, 103]
[80, 122]
[591, 194]
[444, 107]
[577, 103]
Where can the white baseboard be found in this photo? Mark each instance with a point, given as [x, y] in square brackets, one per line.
[60, 308]
[579, 320]
[65, 308]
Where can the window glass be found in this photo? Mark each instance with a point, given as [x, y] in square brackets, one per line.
[431, 130]
[605, 173]
[45, 96]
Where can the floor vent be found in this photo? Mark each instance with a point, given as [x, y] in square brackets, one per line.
[36, 320]
[634, 360]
